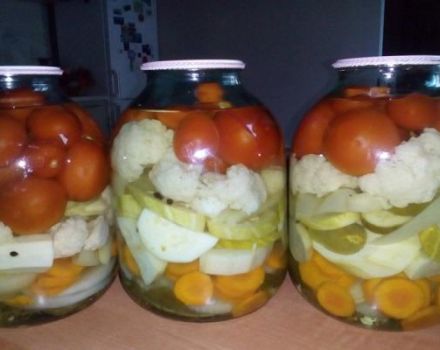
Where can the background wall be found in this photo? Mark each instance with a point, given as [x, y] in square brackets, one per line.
[288, 45]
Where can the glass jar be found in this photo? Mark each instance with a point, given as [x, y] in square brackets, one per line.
[57, 254]
[364, 194]
[199, 177]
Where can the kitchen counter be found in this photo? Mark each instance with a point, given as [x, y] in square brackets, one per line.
[286, 322]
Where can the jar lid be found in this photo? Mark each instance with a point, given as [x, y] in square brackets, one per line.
[193, 64]
[30, 70]
[386, 61]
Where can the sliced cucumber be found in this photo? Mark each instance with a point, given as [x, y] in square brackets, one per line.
[174, 212]
[330, 221]
[306, 205]
[149, 266]
[365, 202]
[171, 242]
[90, 208]
[247, 244]
[128, 206]
[345, 240]
[384, 218]
[105, 252]
[335, 202]
[253, 228]
[300, 243]
[275, 179]
[232, 261]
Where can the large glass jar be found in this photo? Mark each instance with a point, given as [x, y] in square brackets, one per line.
[364, 194]
[57, 254]
[199, 177]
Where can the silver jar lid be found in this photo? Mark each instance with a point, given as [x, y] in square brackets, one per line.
[386, 61]
[30, 70]
[193, 64]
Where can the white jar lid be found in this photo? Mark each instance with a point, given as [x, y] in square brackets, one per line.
[193, 64]
[386, 61]
[30, 70]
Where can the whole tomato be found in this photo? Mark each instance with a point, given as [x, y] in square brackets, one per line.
[248, 136]
[32, 205]
[86, 171]
[12, 139]
[21, 97]
[44, 158]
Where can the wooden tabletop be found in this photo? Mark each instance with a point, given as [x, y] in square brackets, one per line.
[286, 322]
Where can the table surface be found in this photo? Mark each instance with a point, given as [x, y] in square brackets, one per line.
[286, 322]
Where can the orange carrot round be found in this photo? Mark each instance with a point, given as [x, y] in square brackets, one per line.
[250, 304]
[176, 270]
[429, 316]
[277, 258]
[425, 285]
[335, 299]
[194, 288]
[129, 261]
[398, 297]
[237, 286]
[312, 275]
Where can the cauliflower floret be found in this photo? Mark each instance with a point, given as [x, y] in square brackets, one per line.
[240, 189]
[410, 175]
[139, 144]
[175, 179]
[314, 174]
[5, 233]
[69, 236]
[99, 233]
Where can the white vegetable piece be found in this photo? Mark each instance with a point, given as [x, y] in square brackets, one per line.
[105, 252]
[5, 233]
[300, 242]
[232, 261]
[99, 233]
[422, 267]
[149, 265]
[171, 242]
[69, 236]
[27, 252]
[139, 144]
[86, 258]
[274, 179]
[14, 282]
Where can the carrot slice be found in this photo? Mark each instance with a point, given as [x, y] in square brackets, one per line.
[277, 258]
[435, 278]
[335, 299]
[429, 316]
[237, 286]
[176, 270]
[425, 285]
[312, 275]
[398, 297]
[209, 93]
[194, 288]
[130, 262]
[368, 287]
[250, 304]
[19, 300]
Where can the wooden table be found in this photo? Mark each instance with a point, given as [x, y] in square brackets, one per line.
[286, 322]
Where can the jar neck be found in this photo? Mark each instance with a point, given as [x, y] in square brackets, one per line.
[402, 79]
[170, 88]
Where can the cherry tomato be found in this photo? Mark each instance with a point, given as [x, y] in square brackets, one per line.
[54, 123]
[45, 158]
[12, 139]
[414, 111]
[248, 136]
[10, 173]
[355, 141]
[215, 164]
[196, 138]
[310, 133]
[209, 93]
[342, 105]
[21, 97]
[32, 205]
[19, 114]
[86, 171]
[171, 118]
[89, 128]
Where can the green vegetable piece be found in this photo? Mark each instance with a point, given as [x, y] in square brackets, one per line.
[331, 221]
[430, 241]
[248, 244]
[90, 208]
[128, 206]
[345, 240]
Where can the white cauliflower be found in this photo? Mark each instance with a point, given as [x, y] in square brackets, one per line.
[139, 144]
[410, 175]
[314, 174]
[5, 233]
[240, 189]
[69, 236]
[175, 179]
[99, 233]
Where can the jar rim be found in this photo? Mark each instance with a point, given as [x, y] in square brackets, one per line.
[193, 64]
[386, 61]
[30, 70]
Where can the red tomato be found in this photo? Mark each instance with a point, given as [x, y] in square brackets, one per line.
[10, 173]
[12, 139]
[196, 138]
[32, 205]
[414, 111]
[19, 114]
[249, 136]
[45, 158]
[342, 105]
[357, 140]
[89, 127]
[54, 123]
[22, 97]
[372, 91]
[310, 133]
[86, 171]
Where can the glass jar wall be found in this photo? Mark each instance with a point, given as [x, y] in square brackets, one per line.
[199, 176]
[57, 254]
[364, 195]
